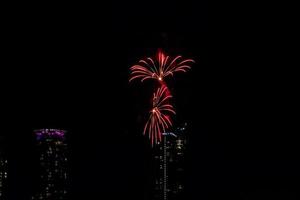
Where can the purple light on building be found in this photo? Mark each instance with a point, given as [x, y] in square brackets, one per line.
[42, 133]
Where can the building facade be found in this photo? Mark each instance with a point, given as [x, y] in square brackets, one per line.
[169, 166]
[3, 176]
[3, 170]
[53, 158]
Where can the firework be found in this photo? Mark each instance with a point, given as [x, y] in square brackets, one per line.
[160, 67]
[159, 120]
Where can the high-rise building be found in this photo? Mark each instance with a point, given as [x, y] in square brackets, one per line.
[52, 147]
[3, 172]
[3, 177]
[169, 165]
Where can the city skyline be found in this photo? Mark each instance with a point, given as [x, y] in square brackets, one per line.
[68, 68]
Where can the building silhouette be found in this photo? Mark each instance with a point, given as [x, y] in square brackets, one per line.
[3, 171]
[169, 163]
[53, 158]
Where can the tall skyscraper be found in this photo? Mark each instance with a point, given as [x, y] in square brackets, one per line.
[53, 158]
[3, 172]
[169, 165]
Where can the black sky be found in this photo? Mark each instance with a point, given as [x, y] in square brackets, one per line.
[68, 67]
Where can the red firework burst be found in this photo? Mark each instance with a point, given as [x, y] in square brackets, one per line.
[159, 120]
[159, 68]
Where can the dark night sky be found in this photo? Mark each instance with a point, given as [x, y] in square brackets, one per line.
[68, 68]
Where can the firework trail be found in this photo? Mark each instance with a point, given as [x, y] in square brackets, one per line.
[160, 67]
[159, 120]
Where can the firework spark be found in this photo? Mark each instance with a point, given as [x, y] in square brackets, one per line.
[159, 120]
[159, 68]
